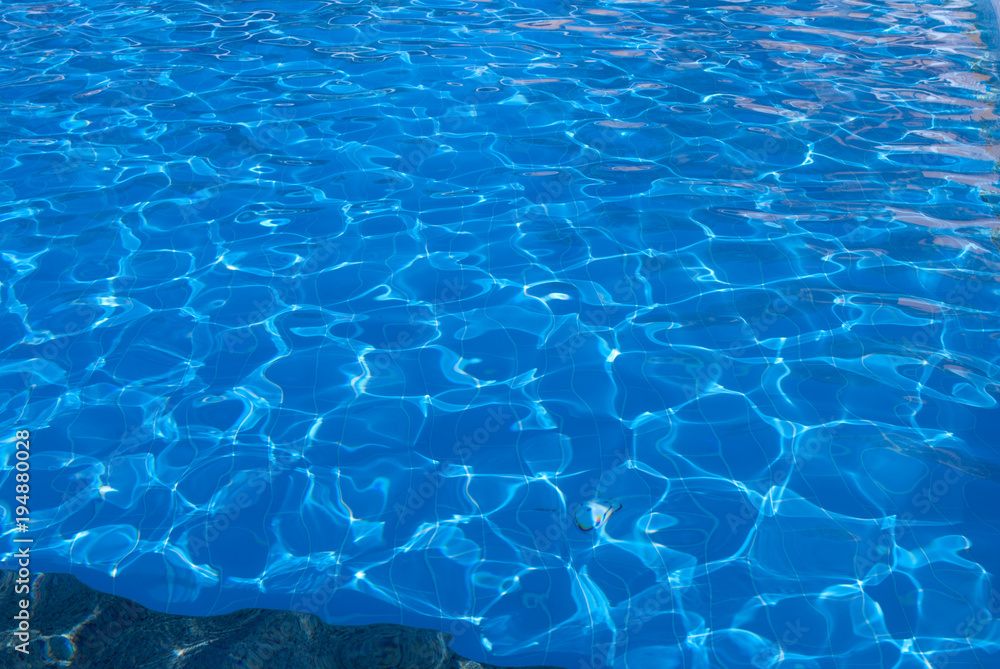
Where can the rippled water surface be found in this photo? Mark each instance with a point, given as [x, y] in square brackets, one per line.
[628, 334]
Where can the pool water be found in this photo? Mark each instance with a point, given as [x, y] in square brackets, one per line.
[598, 334]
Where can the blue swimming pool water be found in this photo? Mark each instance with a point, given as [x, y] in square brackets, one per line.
[627, 334]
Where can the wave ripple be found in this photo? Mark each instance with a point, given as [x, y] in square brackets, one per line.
[619, 334]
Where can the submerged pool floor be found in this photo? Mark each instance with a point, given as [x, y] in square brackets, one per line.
[600, 334]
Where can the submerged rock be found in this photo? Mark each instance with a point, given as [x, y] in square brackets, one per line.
[75, 626]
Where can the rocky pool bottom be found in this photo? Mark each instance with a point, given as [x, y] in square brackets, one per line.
[73, 625]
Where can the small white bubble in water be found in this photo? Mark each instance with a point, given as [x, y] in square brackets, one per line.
[593, 514]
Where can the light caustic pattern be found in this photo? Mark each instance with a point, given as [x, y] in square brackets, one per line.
[630, 334]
